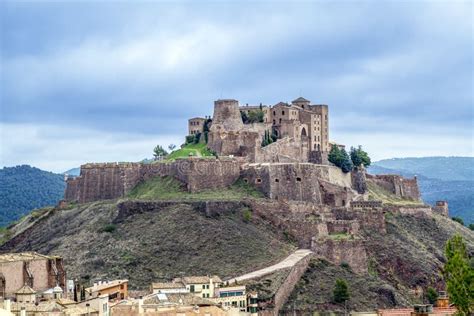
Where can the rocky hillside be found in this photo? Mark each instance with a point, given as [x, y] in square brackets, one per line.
[159, 232]
[151, 241]
[409, 257]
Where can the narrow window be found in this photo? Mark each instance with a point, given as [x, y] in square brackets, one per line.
[298, 179]
[277, 180]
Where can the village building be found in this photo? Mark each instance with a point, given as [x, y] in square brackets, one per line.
[203, 286]
[38, 272]
[168, 288]
[116, 290]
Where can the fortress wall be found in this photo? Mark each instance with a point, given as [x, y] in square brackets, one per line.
[300, 182]
[402, 187]
[343, 227]
[114, 180]
[350, 251]
[283, 150]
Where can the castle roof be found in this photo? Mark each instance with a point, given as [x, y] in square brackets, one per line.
[282, 104]
[300, 99]
[25, 289]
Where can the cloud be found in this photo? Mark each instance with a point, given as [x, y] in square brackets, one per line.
[112, 69]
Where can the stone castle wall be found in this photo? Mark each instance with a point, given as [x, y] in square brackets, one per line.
[350, 251]
[307, 182]
[402, 187]
[114, 180]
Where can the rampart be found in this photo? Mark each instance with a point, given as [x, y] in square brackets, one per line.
[402, 187]
[114, 180]
[307, 182]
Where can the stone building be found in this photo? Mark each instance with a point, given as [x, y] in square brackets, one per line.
[38, 272]
[300, 131]
[196, 125]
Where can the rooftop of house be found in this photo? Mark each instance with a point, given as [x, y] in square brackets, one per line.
[199, 279]
[25, 289]
[180, 299]
[24, 256]
[300, 99]
[167, 285]
[105, 285]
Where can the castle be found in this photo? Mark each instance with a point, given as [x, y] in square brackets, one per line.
[300, 131]
[306, 196]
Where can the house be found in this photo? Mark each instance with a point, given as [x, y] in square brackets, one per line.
[203, 286]
[116, 290]
[168, 287]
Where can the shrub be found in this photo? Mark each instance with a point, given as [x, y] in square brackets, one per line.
[247, 215]
[359, 157]
[458, 219]
[431, 295]
[341, 291]
[189, 139]
[109, 228]
[471, 226]
[345, 265]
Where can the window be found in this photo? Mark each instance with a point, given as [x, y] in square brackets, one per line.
[258, 180]
[298, 179]
[282, 112]
[274, 113]
[277, 180]
[191, 289]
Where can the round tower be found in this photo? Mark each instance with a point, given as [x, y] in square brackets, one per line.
[226, 116]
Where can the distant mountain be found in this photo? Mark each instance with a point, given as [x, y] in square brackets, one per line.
[23, 188]
[73, 172]
[440, 178]
[443, 168]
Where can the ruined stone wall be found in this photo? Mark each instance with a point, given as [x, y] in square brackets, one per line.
[283, 150]
[115, 180]
[350, 251]
[441, 207]
[284, 291]
[300, 182]
[402, 187]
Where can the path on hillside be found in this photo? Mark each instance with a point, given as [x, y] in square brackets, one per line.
[288, 262]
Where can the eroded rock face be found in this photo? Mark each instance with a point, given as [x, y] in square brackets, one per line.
[359, 181]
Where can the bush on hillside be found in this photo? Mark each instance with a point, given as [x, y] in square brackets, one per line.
[458, 219]
[341, 291]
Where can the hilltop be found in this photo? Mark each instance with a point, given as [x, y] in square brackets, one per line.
[23, 188]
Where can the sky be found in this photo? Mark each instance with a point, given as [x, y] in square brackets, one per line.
[97, 81]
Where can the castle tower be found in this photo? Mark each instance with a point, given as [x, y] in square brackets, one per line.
[226, 116]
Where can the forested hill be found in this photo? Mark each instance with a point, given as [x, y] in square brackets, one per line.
[23, 188]
[440, 178]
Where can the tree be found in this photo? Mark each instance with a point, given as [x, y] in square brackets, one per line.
[471, 226]
[431, 295]
[341, 291]
[335, 155]
[459, 275]
[171, 147]
[255, 116]
[359, 157]
[458, 219]
[244, 116]
[346, 164]
[159, 151]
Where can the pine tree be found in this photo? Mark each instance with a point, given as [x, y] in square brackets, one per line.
[359, 157]
[431, 295]
[459, 275]
[346, 163]
[341, 291]
[335, 155]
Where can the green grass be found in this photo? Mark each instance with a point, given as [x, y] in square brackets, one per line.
[195, 150]
[340, 236]
[168, 188]
[378, 193]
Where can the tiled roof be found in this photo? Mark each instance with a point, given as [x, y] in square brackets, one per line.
[105, 285]
[23, 256]
[201, 279]
[167, 285]
[300, 99]
[25, 289]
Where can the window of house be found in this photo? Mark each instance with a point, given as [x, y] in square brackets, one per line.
[191, 289]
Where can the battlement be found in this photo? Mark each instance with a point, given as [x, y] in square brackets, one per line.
[366, 204]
